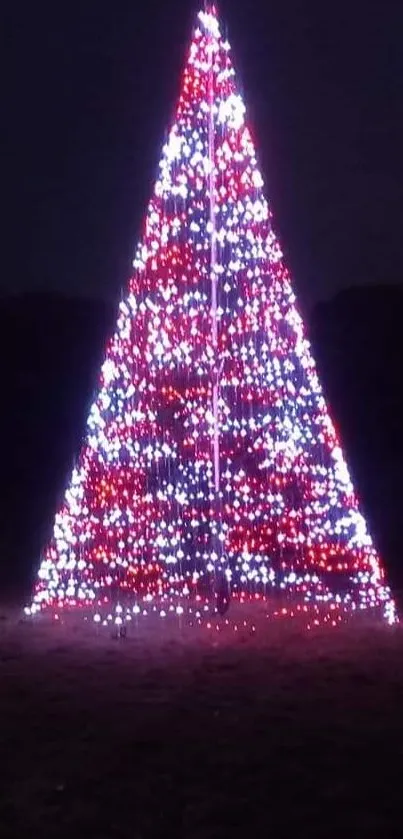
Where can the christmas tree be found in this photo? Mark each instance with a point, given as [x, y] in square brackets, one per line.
[211, 468]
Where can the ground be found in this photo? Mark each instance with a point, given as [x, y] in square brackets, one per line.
[198, 734]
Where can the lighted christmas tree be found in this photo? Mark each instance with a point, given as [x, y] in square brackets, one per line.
[211, 468]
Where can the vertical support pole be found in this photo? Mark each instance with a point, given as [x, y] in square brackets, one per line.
[222, 590]
[214, 278]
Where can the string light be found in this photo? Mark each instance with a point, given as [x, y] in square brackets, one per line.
[142, 529]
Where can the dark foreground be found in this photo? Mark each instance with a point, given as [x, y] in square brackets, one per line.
[279, 734]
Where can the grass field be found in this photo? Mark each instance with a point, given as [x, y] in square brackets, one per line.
[194, 734]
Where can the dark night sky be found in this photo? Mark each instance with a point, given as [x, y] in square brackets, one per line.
[89, 91]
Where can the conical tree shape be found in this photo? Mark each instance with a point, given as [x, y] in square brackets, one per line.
[211, 465]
